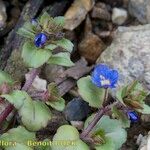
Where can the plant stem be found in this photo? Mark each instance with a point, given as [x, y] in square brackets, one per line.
[28, 83]
[97, 117]
[6, 112]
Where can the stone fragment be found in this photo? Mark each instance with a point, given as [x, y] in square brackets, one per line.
[100, 11]
[91, 46]
[119, 16]
[77, 13]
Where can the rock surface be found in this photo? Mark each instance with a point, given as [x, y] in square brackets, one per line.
[140, 9]
[143, 142]
[76, 110]
[130, 54]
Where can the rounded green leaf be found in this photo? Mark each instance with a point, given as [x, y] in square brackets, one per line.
[58, 104]
[90, 93]
[65, 44]
[35, 115]
[34, 57]
[60, 20]
[62, 59]
[69, 135]
[20, 137]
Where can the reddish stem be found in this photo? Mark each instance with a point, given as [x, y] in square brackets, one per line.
[86, 132]
[6, 112]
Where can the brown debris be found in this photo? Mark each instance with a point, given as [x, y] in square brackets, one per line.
[100, 11]
[91, 45]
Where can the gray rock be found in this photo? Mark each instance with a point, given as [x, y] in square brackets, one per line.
[140, 9]
[130, 54]
[52, 72]
[76, 110]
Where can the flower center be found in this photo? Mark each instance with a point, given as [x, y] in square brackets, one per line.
[104, 81]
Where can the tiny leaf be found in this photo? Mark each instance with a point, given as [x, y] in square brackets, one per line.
[50, 47]
[58, 104]
[59, 20]
[62, 59]
[65, 44]
[44, 20]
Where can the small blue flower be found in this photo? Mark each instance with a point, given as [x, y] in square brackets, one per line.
[40, 39]
[133, 116]
[104, 77]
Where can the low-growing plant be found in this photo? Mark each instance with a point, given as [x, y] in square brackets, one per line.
[104, 130]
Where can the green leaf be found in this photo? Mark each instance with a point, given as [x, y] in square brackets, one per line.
[62, 59]
[70, 138]
[59, 21]
[55, 100]
[34, 114]
[90, 93]
[58, 104]
[65, 44]
[115, 135]
[5, 78]
[33, 56]
[44, 20]
[121, 93]
[28, 30]
[145, 110]
[121, 117]
[25, 33]
[20, 137]
[50, 47]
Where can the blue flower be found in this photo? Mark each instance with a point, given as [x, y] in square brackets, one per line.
[104, 77]
[133, 116]
[40, 39]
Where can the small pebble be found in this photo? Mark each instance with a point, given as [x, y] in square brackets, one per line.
[119, 16]
[76, 110]
[78, 124]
